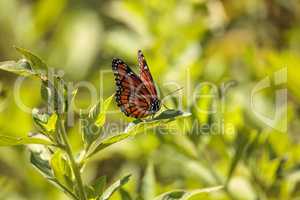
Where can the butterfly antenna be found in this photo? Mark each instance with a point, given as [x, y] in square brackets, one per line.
[172, 92]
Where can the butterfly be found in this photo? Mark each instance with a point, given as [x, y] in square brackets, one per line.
[136, 95]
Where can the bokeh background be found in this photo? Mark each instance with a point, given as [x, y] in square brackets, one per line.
[217, 41]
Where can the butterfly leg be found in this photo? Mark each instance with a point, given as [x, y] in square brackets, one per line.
[166, 107]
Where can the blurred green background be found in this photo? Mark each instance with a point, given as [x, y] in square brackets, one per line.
[192, 41]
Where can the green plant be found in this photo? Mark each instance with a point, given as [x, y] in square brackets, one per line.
[52, 154]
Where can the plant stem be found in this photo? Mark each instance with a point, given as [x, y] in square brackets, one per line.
[66, 190]
[72, 160]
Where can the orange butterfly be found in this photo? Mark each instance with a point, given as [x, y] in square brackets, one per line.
[135, 95]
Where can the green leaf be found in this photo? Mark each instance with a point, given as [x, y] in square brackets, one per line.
[139, 198]
[54, 93]
[89, 191]
[45, 121]
[61, 169]
[107, 142]
[45, 92]
[148, 183]
[172, 195]
[102, 115]
[184, 145]
[166, 116]
[141, 127]
[99, 185]
[36, 62]
[94, 112]
[98, 112]
[113, 188]
[51, 124]
[185, 195]
[92, 124]
[241, 143]
[12, 141]
[252, 145]
[41, 164]
[90, 132]
[69, 98]
[125, 195]
[20, 68]
[171, 114]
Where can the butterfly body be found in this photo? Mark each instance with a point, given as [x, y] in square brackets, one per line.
[155, 106]
[135, 95]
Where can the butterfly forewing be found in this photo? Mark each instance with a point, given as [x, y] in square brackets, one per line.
[132, 96]
[145, 74]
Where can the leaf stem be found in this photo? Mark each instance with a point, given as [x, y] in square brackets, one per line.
[66, 190]
[74, 165]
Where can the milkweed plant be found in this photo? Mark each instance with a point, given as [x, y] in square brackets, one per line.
[50, 150]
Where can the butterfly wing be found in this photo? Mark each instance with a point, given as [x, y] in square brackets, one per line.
[145, 74]
[132, 96]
